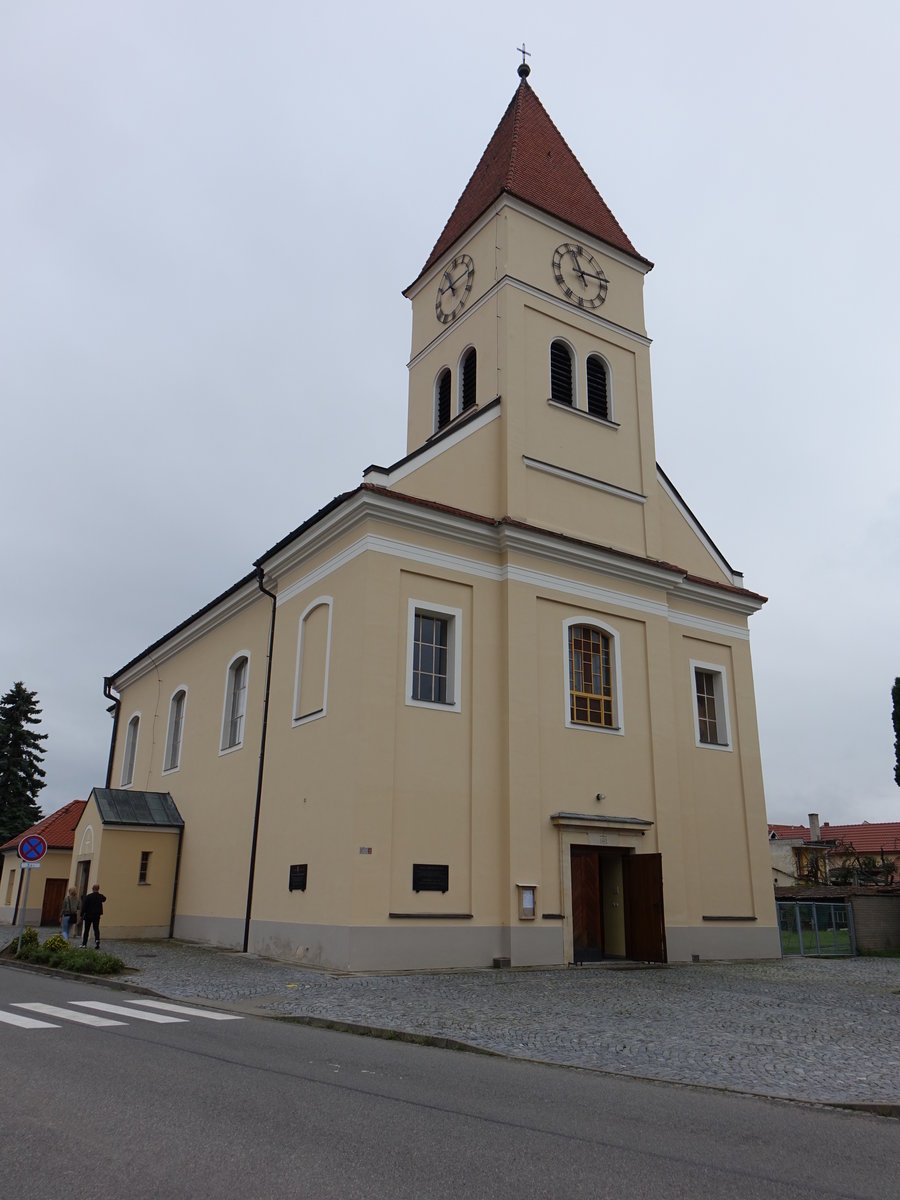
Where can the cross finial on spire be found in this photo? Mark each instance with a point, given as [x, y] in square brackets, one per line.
[524, 69]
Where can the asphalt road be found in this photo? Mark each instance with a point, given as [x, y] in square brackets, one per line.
[258, 1108]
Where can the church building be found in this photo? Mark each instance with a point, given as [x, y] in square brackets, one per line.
[495, 704]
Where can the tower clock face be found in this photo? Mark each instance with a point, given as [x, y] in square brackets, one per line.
[579, 276]
[453, 288]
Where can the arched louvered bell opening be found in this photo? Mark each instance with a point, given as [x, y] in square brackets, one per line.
[443, 399]
[468, 380]
[561, 373]
[597, 388]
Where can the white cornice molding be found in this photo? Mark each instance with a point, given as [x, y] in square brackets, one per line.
[588, 481]
[592, 318]
[592, 558]
[580, 235]
[715, 554]
[489, 537]
[229, 607]
[473, 423]
[706, 593]
[504, 539]
[560, 227]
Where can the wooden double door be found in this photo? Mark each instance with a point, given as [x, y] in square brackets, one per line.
[617, 905]
[54, 894]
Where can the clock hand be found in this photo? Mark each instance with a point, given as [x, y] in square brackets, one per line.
[449, 284]
[579, 269]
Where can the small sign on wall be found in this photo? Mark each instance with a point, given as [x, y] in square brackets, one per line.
[527, 893]
[297, 878]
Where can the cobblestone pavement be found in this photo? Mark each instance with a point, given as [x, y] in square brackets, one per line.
[824, 1030]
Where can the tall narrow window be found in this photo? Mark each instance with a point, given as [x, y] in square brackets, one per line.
[590, 676]
[131, 740]
[144, 870]
[467, 391]
[711, 723]
[313, 647]
[443, 398]
[434, 656]
[561, 374]
[235, 704]
[597, 387]
[172, 760]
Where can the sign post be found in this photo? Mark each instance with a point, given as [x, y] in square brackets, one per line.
[30, 850]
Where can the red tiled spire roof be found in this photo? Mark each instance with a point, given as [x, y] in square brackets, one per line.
[57, 830]
[528, 158]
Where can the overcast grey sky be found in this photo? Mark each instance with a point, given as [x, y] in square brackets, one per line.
[195, 193]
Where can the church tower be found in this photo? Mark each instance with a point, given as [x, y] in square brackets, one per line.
[528, 314]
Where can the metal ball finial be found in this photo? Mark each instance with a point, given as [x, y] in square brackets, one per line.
[524, 69]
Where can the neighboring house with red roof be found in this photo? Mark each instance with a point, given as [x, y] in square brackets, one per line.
[48, 882]
[495, 704]
[860, 854]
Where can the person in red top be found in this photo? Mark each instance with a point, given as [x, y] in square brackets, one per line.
[92, 911]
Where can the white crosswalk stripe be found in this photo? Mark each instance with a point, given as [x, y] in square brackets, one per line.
[89, 1012]
[25, 1022]
[120, 1011]
[191, 1012]
[67, 1014]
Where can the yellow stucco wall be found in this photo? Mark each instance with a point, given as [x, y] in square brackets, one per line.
[369, 783]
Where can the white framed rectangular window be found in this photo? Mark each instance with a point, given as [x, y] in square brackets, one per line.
[709, 691]
[131, 741]
[433, 656]
[235, 706]
[172, 759]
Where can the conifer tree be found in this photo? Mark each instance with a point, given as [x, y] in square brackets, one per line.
[895, 692]
[21, 754]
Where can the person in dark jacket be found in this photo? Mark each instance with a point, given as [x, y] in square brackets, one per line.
[92, 911]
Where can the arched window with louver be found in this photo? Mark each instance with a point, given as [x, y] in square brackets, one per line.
[597, 387]
[467, 388]
[442, 399]
[561, 373]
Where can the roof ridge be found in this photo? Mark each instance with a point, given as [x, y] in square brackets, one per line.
[514, 147]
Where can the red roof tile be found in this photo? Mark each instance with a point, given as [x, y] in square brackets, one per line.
[528, 158]
[869, 837]
[57, 830]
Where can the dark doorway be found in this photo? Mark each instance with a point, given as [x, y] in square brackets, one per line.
[645, 926]
[82, 874]
[615, 893]
[54, 894]
[587, 905]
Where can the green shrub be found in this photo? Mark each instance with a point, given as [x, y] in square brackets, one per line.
[93, 962]
[56, 942]
[80, 959]
[29, 937]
